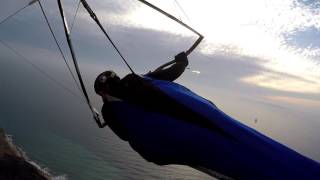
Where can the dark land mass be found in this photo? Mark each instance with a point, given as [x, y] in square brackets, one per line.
[13, 166]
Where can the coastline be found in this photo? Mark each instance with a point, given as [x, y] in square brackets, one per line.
[15, 165]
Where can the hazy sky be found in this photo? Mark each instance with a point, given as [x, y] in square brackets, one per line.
[260, 58]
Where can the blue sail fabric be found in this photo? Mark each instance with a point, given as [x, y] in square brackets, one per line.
[243, 154]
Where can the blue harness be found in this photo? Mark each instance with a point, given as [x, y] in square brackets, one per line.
[247, 155]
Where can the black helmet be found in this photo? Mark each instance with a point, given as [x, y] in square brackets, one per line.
[106, 82]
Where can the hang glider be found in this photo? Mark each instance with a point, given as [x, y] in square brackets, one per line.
[24, 4]
[235, 149]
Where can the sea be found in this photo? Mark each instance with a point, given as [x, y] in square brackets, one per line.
[85, 152]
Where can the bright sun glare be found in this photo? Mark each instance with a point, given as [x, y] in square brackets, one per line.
[254, 28]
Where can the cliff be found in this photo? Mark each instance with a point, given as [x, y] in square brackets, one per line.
[13, 166]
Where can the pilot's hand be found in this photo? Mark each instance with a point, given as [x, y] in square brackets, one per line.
[181, 57]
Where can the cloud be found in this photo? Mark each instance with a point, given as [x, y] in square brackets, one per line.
[305, 41]
[311, 4]
[308, 103]
[304, 38]
[259, 29]
[283, 83]
[249, 50]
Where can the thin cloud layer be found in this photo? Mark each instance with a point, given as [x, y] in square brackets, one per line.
[258, 29]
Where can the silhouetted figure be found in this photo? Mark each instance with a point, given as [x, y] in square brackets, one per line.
[173, 72]
[166, 123]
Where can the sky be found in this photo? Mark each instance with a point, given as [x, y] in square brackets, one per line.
[259, 61]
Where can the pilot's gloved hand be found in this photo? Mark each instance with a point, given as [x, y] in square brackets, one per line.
[181, 57]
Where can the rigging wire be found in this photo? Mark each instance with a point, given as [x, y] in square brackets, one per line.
[182, 10]
[95, 114]
[178, 13]
[39, 69]
[56, 42]
[75, 16]
[95, 18]
[29, 61]
[13, 14]
[195, 44]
